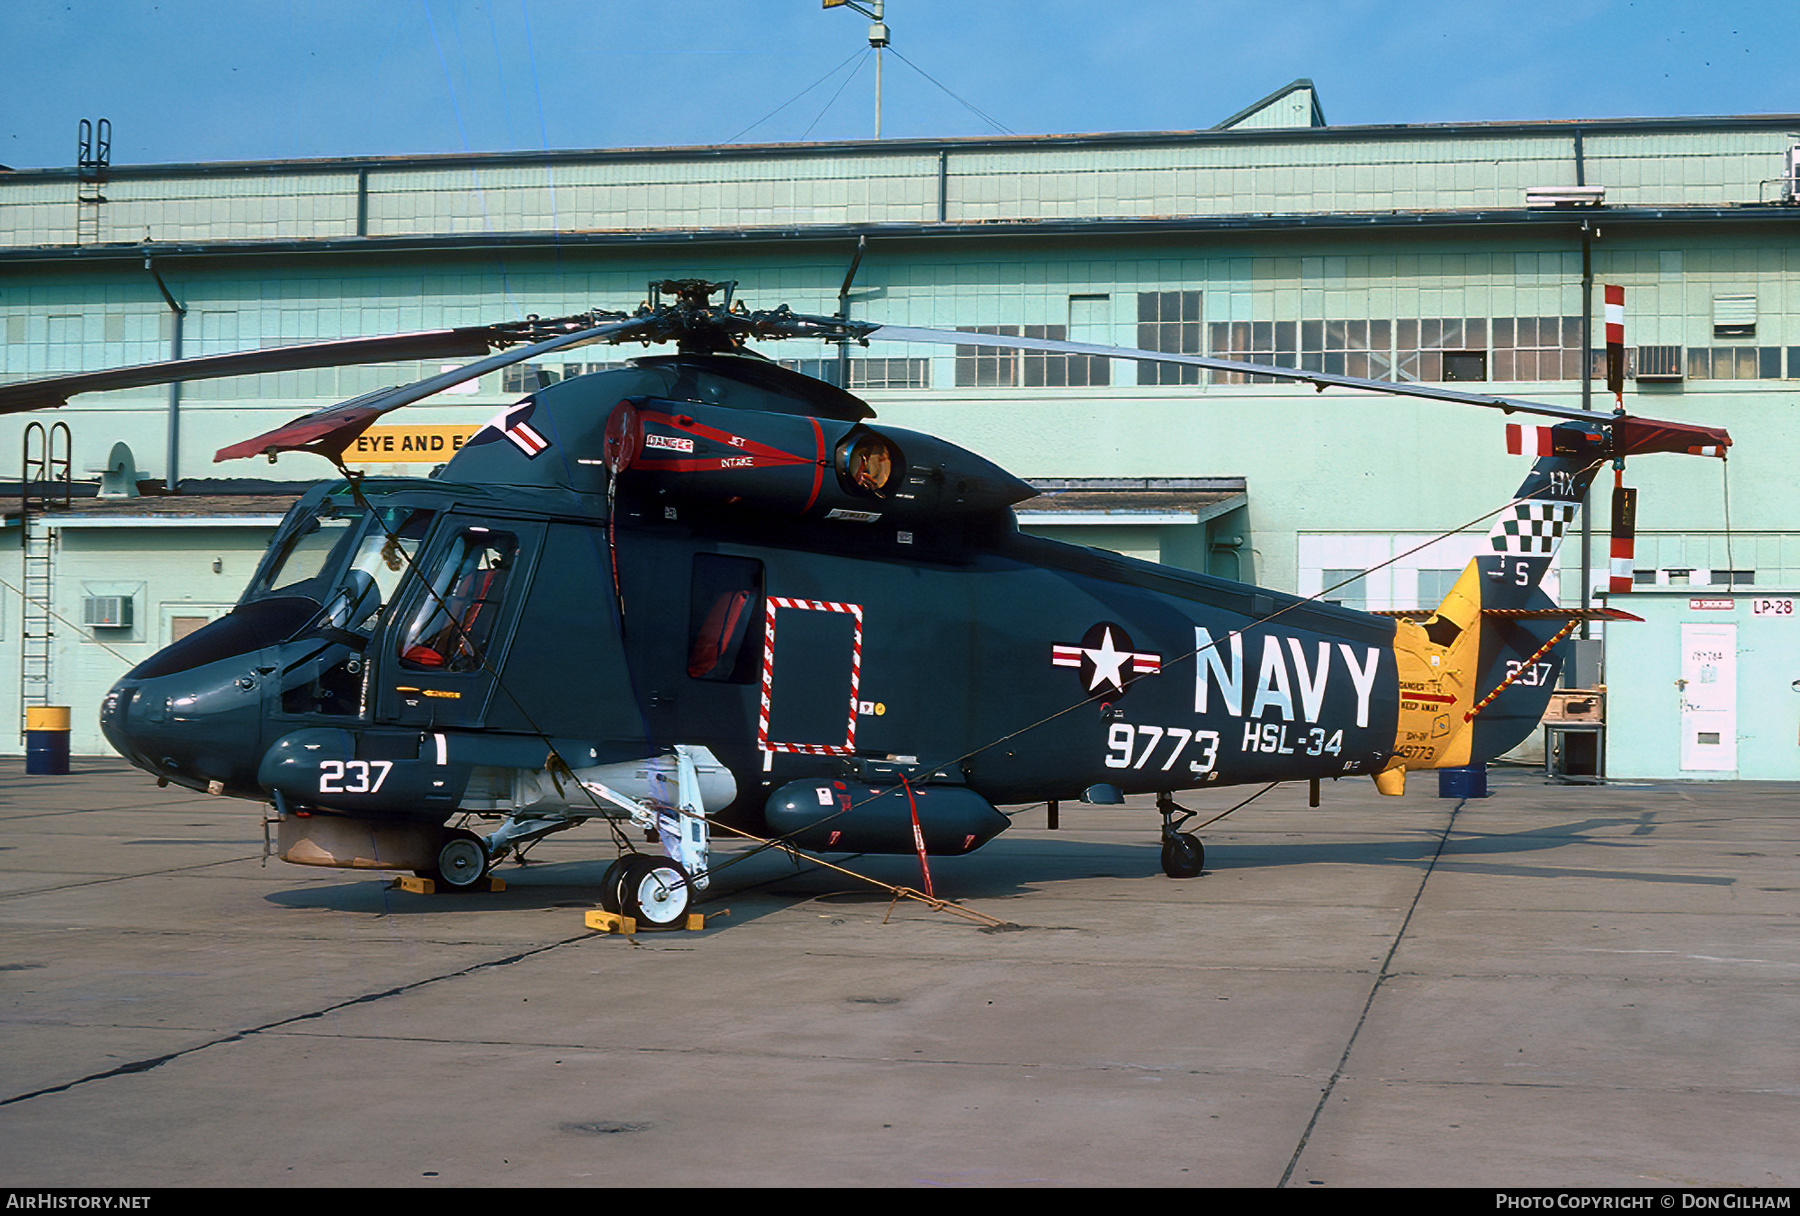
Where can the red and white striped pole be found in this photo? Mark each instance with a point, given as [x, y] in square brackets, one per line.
[1624, 503]
[1624, 534]
[1615, 344]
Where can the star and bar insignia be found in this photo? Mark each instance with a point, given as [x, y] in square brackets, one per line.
[1107, 660]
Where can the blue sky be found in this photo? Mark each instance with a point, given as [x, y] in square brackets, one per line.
[197, 80]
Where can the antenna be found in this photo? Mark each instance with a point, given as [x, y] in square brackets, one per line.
[878, 38]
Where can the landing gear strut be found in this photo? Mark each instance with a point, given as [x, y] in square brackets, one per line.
[1183, 856]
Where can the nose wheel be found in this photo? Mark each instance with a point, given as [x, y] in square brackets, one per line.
[1183, 856]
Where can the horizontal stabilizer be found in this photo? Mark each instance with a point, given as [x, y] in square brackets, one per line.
[1561, 614]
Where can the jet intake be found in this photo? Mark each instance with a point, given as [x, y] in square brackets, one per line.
[687, 452]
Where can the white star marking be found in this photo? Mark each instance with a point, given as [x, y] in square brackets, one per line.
[1107, 663]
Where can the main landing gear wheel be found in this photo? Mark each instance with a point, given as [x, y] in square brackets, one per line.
[461, 863]
[1183, 856]
[609, 885]
[654, 891]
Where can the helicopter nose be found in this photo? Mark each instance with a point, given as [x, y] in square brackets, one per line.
[192, 713]
[195, 728]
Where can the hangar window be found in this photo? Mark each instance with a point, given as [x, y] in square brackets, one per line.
[1422, 345]
[1465, 365]
[1348, 348]
[1347, 588]
[867, 373]
[1269, 342]
[1169, 321]
[1734, 363]
[1003, 367]
[1435, 586]
[1537, 348]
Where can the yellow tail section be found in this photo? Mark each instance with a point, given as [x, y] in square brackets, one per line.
[1437, 660]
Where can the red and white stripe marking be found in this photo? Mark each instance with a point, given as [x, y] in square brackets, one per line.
[763, 741]
[1522, 440]
[525, 438]
[1624, 537]
[1615, 315]
[1615, 342]
[1070, 656]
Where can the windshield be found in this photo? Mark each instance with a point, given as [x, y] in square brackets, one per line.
[307, 551]
[342, 557]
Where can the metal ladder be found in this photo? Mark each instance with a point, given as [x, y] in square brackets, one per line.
[93, 158]
[43, 486]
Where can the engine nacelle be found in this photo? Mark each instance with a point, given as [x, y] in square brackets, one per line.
[790, 464]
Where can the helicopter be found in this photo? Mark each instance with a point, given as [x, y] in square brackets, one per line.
[705, 591]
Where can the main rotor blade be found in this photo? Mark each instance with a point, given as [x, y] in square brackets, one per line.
[433, 344]
[1319, 380]
[329, 431]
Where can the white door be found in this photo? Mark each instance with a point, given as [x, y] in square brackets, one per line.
[1708, 698]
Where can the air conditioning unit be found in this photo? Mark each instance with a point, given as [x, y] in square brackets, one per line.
[106, 611]
[1565, 196]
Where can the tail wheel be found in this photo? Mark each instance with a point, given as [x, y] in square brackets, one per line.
[654, 891]
[1183, 856]
[462, 862]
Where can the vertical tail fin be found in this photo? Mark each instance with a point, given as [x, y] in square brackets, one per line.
[1476, 675]
[1525, 538]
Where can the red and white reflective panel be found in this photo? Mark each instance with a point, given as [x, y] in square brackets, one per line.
[763, 741]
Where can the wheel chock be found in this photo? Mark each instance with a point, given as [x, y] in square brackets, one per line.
[610, 922]
[427, 886]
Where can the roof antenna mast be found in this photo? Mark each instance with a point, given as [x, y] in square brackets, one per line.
[878, 38]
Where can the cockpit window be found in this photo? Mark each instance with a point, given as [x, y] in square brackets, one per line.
[358, 577]
[386, 552]
[307, 553]
[455, 621]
